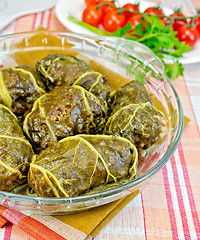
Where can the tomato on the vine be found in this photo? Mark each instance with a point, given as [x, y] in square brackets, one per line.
[158, 12]
[197, 24]
[92, 15]
[154, 11]
[130, 7]
[163, 21]
[178, 22]
[188, 35]
[92, 2]
[135, 20]
[107, 6]
[112, 20]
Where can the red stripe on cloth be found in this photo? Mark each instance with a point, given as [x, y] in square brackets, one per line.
[38, 230]
[8, 231]
[144, 218]
[34, 21]
[186, 230]
[42, 18]
[13, 216]
[49, 19]
[3, 221]
[189, 192]
[170, 204]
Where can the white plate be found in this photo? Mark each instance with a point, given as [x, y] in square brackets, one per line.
[64, 8]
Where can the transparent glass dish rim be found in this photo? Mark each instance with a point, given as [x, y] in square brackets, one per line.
[171, 148]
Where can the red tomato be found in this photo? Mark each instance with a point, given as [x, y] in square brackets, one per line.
[109, 6]
[92, 2]
[163, 21]
[188, 35]
[154, 11]
[112, 20]
[92, 15]
[178, 22]
[158, 12]
[135, 20]
[197, 24]
[131, 7]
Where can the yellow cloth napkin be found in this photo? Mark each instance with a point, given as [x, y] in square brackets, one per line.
[92, 221]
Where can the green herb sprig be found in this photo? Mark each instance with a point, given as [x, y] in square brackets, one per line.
[150, 32]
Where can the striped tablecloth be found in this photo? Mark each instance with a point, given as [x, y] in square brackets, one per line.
[169, 206]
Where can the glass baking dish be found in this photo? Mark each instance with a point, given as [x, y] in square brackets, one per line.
[121, 60]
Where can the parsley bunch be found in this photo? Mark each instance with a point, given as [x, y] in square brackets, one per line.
[160, 39]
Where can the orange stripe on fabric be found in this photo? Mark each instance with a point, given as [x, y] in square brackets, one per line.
[2, 209]
[38, 230]
[3, 221]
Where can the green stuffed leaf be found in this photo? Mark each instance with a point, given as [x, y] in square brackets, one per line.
[78, 164]
[15, 151]
[64, 111]
[19, 88]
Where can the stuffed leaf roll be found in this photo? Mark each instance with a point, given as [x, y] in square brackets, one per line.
[95, 83]
[19, 88]
[64, 111]
[141, 123]
[79, 163]
[15, 151]
[59, 69]
[132, 92]
[132, 115]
